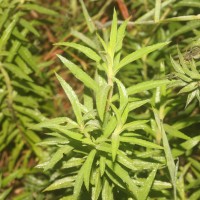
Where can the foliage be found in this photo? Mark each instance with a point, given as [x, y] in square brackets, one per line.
[133, 133]
[24, 89]
[103, 142]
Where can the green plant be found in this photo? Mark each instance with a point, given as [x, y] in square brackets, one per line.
[23, 94]
[103, 150]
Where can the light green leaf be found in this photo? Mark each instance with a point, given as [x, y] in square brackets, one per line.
[88, 168]
[85, 50]
[5, 193]
[57, 120]
[134, 125]
[113, 34]
[183, 77]
[176, 66]
[78, 183]
[102, 43]
[145, 189]
[124, 176]
[110, 126]
[107, 193]
[174, 132]
[27, 57]
[7, 32]
[115, 144]
[72, 162]
[135, 164]
[87, 17]
[29, 27]
[101, 100]
[122, 94]
[137, 104]
[168, 154]
[120, 35]
[38, 8]
[190, 97]
[57, 156]
[140, 142]
[61, 183]
[138, 54]
[157, 10]
[191, 143]
[97, 185]
[79, 74]
[102, 164]
[73, 99]
[188, 88]
[141, 87]
[17, 71]
[84, 39]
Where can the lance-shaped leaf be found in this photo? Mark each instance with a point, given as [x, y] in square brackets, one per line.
[140, 142]
[144, 190]
[113, 33]
[102, 164]
[115, 143]
[97, 185]
[123, 175]
[39, 9]
[139, 54]
[120, 35]
[85, 50]
[57, 156]
[73, 99]
[137, 104]
[122, 94]
[168, 154]
[78, 183]
[88, 168]
[88, 19]
[101, 100]
[8, 31]
[174, 132]
[61, 183]
[141, 87]
[107, 193]
[188, 88]
[79, 74]
[176, 66]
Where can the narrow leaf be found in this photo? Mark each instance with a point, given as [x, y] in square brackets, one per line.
[139, 54]
[88, 168]
[141, 87]
[145, 189]
[97, 185]
[61, 183]
[85, 50]
[107, 193]
[78, 183]
[73, 99]
[113, 33]
[79, 74]
[140, 142]
[39, 9]
[101, 100]
[122, 93]
[87, 17]
[57, 156]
